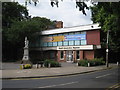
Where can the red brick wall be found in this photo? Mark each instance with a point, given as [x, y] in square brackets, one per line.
[59, 24]
[93, 37]
[88, 54]
[58, 56]
[81, 55]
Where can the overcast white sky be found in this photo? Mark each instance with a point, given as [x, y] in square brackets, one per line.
[66, 12]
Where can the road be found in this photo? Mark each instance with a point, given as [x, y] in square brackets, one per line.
[99, 79]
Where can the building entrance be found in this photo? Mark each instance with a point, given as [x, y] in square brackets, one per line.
[69, 56]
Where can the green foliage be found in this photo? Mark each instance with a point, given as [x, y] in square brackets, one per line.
[96, 62]
[52, 63]
[11, 12]
[28, 28]
[107, 14]
[93, 62]
[83, 63]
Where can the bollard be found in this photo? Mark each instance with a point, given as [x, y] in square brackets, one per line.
[77, 64]
[49, 65]
[40, 65]
[43, 65]
[36, 65]
[117, 63]
[88, 64]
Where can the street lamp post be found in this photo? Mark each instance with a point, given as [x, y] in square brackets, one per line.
[107, 49]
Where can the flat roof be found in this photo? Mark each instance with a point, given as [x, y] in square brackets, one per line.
[72, 29]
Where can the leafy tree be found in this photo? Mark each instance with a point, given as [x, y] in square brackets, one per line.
[107, 14]
[20, 29]
[17, 24]
[11, 12]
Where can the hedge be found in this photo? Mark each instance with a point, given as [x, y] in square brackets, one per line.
[93, 62]
[52, 63]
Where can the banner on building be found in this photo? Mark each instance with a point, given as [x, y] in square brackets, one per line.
[65, 38]
[75, 37]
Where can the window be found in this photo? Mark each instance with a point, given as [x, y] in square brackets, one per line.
[65, 34]
[49, 43]
[77, 32]
[59, 43]
[83, 32]
[60, 34]
[54, 43]
[71, 33]
[45, 44]
[71, 43]
[77, 55]
[61, 55]
[77, 42]
[83, 42]
[65, 43]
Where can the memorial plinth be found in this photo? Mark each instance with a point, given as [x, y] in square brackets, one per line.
[26, 59]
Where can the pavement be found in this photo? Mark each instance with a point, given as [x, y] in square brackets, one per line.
[67, 69]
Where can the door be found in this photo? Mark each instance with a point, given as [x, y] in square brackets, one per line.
[69, 56]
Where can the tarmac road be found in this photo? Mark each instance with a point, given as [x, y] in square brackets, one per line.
[100, 79]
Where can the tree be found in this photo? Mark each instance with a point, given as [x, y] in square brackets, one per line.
[11, 12]
[107, 14]
[20, 29]
[17, 24]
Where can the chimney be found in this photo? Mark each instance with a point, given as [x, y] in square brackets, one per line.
[59, 24]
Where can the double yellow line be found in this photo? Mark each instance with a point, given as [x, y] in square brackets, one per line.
[113, 87]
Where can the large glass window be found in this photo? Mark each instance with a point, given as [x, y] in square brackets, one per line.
[77, 42]
[54, 43]
[50, 44]
[65, 34]
[61, 55]
[45, 44]
[83, 42]
[77, 32]
[83, 32]
[71, 43]
[60, 34]
[59, 43]
[71, 33]
[65, 43]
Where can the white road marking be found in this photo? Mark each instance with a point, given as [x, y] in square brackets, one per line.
[58, 85]
[103, 76]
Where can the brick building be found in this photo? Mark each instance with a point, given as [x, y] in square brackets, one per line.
[69, 44]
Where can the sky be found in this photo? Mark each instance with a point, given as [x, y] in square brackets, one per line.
[66, 12]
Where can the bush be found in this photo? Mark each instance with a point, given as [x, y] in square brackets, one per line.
[83, 63]
[26, 66]
[52, 63]
[94, 62]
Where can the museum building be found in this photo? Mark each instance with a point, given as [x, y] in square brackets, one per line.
[70, 44]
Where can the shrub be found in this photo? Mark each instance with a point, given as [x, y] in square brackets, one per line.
[83, 63]
[94, 62]
[26, 66]
[52, 63]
